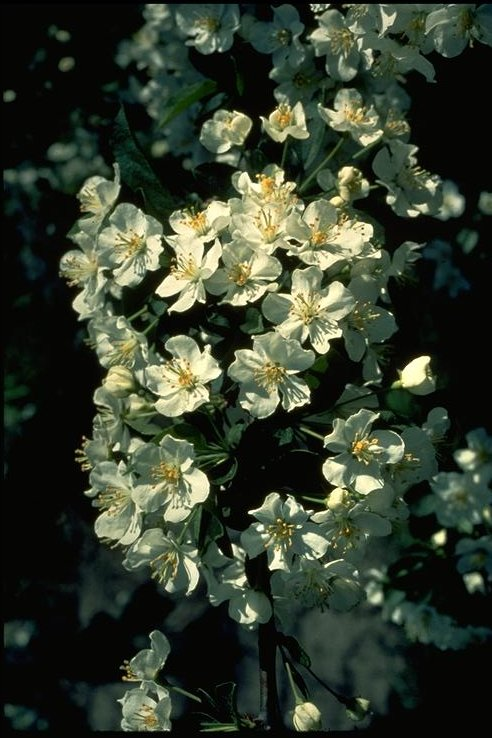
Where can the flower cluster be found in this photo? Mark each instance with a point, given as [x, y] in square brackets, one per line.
[216, 316]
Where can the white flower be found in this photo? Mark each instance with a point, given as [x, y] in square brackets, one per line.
[180, 381]
[284, 531]
[203, 224]
[120, 518]
[280, 37]
[477, 457]
[173, 564]
[306, 717]
[211, 26]
[412, 191]
[120, 381]
[146, 708]
[81, 268]
[97, 196]
[322, 240]
[361, 452]
[310, 311]
[350, 115]
[454, 27]
[313, 584]
[131, 244]
[117, 344]
[351, 184]
[226, 580]
[458, 500]
[417, 377]
[146, 664]
[167, 478]
[367, 323]
[453, 202]
[189, 269]
[286, 121]
[266, 374]
[247, 274]
[338, 44]
[225, 130]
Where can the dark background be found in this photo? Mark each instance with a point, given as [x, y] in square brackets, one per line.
[78, 609]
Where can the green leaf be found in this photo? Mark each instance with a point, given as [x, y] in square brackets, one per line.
[228, 475]
[401, 402]
[253, 323]
[312, 381]
[295, 650]
[136, 171]
[320, 365]
[284, 436]
[182, 100]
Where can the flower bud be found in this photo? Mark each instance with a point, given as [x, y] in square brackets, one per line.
[306, 717]
[351, 184]
[119, 381]
[417, 377]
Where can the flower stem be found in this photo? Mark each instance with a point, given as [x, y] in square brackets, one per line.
[325, 161]
[311, 433]
[150, 326]
[284, 153]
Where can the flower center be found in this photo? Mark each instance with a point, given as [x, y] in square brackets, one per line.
[167, 473]
[283, 116]
[129, 244]
[148, 717]
[113, 500]
[280, 534]
[76, 269]
[183, 377]
[240, 273]
[164, 566]
[196, 221]
[354, 114]
[341, 41]
[270, 375]
[305, 307]
[284, 36]
[361, 315]
[123, 352]
[185, 268]
[208, 23]
[363, 449]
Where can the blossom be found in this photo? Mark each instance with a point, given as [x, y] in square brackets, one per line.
[226, 580]
[120, 518]
[458, 500]
[173, 564]
[131, 244]
[284, 531]
[120, 381]
[338, 44]
[412, 191]
[211, 26]
[189, 270]
[477, 457]
[97, 197]
[180, 382]
[146, 664]
[204, 224]
[81, 268]
[285, 121]
[321, 240]
[246, 275]
[310, 311]
[417, 377]
[350, 115]
[361, 453]
[280, 37]
[147, 708]
[314, 584]
[454, 27]
[225, 130]
[266, 374]
[117, 344]
[168, 479]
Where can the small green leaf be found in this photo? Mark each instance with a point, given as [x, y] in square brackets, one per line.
[284, 436]
[401, 402]
[185, 98]
[320, 365]
[295, 650]
[136, 171]
[253, 323]
[312, 381]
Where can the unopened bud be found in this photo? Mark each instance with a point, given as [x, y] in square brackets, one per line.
[120, 381]
[306, 717]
